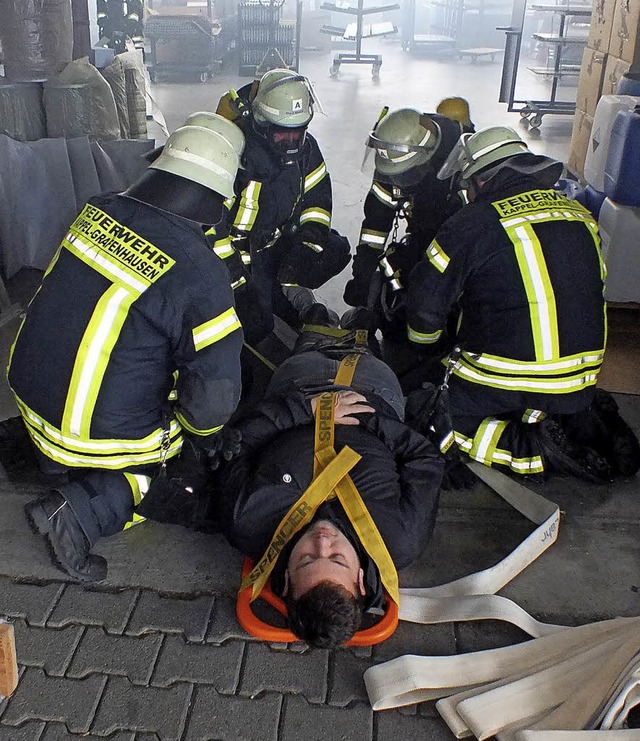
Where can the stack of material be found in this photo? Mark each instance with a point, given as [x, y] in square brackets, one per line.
[614, 44]
[44, 184]
[126, 77]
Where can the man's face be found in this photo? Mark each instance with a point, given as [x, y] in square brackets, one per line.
[323, 553]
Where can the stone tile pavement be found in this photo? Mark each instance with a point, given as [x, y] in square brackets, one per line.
[156, 653]
[128, 664]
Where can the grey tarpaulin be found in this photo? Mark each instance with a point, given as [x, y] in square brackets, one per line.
[44, 184]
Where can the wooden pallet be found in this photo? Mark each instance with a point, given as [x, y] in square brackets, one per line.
[8, 664]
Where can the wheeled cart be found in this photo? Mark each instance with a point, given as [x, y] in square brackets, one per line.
[358, 31]
[532, 111]
[182, 46]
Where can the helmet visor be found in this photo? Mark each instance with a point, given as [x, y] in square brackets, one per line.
[406, 179]
[287, 140]
[457, 159]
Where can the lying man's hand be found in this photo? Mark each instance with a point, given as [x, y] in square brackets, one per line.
[347, 403]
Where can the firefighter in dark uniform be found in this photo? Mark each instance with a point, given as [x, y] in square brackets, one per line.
[524, 264]
[410, 148]
[133, 311]
[280, 221]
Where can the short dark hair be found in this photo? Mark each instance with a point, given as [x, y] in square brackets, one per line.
[326, 616]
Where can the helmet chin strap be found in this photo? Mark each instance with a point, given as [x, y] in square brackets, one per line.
[178, 196]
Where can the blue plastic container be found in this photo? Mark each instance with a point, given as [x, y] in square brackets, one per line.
[590, 198]
[629, 83]
[621, 172]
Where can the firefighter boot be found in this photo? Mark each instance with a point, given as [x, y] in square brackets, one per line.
[561, 455]
[52, 517]
[619, 443]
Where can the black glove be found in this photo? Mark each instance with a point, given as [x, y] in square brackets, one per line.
[16, 449]
[457, 475]
[222, 446]
[178, 493]
[365, 265]
[311, 261]
[427, 411]
[256, 320]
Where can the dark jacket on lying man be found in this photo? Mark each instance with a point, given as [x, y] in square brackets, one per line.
[398, 478]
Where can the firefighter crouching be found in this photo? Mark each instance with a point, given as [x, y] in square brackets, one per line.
[523, 264]
[133, 309]
[410, 147]
[279, 224]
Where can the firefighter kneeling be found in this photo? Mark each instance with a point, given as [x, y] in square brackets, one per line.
[521, 265]
[135, 308]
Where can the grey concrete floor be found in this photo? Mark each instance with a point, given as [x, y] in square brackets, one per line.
[155, 652]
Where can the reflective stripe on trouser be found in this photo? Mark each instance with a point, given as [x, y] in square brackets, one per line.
[103, 501]
[511, 443]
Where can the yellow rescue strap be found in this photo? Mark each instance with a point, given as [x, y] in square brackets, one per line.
[331, 479]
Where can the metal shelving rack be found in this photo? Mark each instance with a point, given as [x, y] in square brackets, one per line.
[532, 111]
[361, 32]
[265, 41]
[455, 27]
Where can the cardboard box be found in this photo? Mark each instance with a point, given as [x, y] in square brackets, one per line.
[580, 136]
[590, 81]
[613, 71]
[624, 42]
[601, 24]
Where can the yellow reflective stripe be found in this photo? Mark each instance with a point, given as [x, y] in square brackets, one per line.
[215, 329]
[106, 446]
[519, 465]
[423, 338]
[533, 416]
[485, 441]
[195, 430]
[543, 216]
[593, 228]
[111, 462]
[136, 519]
[542, 302]
[92, 359]
[223, 248]
[383, 195]
[104, 265]
[248, 207]
[139, 486]
[245, 257]
[237, 283]
[508, 366]
[504, 457]
[321, 215]
[374, 239]
[437, 256]
[575, 382]
[313, 178]
[446, 442]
